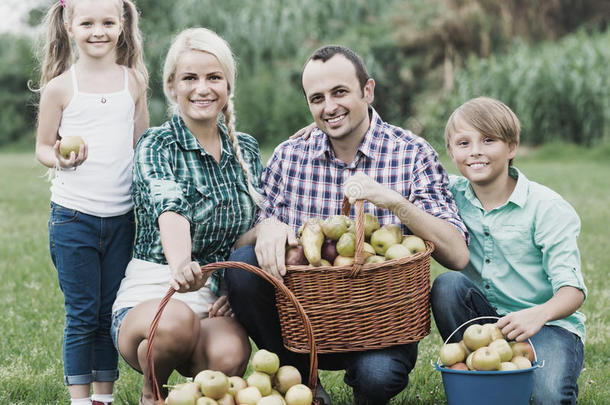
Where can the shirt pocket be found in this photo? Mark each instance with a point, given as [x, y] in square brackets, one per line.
[201, 201]
[515, 242]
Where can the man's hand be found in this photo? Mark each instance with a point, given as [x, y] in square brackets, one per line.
[221, 307]
[187, 277]
[270, 249]
[360, 186]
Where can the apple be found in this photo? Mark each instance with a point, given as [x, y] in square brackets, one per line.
[523, 349]
[469, 361]
[295, 256]
[494, 331]
[414, 243]
[396, 229]
[286, 377]
[371, 224]
[476, 336]
[343, 261]
[375, 259]
[459, 366]
[236, 383]
[260, 380]
[464, 347]
[265, 362]
[485, 359]
[226, 400]
[346, 245]
[507, 366]
[69, 144]
[503, 349]
[334, 226]
[271, 400]
[213, 384]
[521, 362]
[179, 396]
[299, 394]
[382, 239]
[368, 250]
[248, 396]
[207, 401]
[397, 251]
[452, 353]
[329, 250]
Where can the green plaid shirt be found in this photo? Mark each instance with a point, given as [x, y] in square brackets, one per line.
[172, 172]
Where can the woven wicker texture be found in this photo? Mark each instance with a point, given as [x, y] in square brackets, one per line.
[358, 307]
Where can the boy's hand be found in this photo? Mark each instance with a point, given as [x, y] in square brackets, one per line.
[522, 325]
[74, 160]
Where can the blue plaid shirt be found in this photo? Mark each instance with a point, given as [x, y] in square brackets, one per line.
[304, 179]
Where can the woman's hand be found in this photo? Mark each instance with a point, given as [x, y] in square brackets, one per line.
[304, 132]
[221, 307]
[187, 277]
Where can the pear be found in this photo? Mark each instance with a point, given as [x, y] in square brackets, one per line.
[371, 224]
[375, 259]
[396, 229]
[312, 239]
[335, 226]
[397, 251]
[368, 250]
[343, 261]
[414, 243]
[325, 263]
[346, 245]
[382, 239]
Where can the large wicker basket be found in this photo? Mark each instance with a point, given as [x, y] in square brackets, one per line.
[358, 307]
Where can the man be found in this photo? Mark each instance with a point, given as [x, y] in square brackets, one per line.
[352, 152]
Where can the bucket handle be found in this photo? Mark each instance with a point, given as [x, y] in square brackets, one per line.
[538, 364]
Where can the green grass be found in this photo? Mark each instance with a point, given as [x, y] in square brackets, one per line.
[32, 306]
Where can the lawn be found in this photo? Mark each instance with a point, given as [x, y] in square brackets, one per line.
[31, 328]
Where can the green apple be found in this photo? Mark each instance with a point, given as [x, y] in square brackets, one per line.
[382, 239]
[469, 361]
[476, 336]
[335, 226]
[248, 396]
[368, 250]
[299, 394]
[260, 380]
[371, 224]
[343, 261]
[414, 243]
[464, 347]
[181, 397]
[236, 383]
[286, 377]
[69, 144]
[397, 251]
[271, 400]
[227, 399]
[346, 244]
[503, 349]
[507, 366]
[523, 349]
[206, 401]
[494, 331]
[452, 353]
[375, 259]
[265, 362]
[521, 362]
[213, 384]
[485, 359]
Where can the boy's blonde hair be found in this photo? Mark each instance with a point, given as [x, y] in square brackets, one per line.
[58, 53]
[205, 40]
[489, 116]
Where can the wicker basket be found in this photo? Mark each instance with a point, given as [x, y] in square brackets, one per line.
[358, 307]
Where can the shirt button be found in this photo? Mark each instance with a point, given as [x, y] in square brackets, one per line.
[487, 261]
[487, 286]
[486, 234]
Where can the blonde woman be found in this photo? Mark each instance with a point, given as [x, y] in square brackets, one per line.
[195, 181]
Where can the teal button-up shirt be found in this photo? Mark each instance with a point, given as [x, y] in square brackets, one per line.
[172, 172]
[522, 252]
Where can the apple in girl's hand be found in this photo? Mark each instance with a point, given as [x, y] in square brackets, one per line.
[299, 394]
[286, 377]
[248, 396]
[213, 384]
[476, 336]
[523, 349]
[265, 362]
[521, 362]
[485, 359]
[236, 383]
[452, 353]
[503, 349]
[69, 144]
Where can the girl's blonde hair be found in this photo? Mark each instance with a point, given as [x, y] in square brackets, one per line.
[58, 54]
[205, 40]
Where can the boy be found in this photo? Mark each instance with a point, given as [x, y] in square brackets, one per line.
[524, 261]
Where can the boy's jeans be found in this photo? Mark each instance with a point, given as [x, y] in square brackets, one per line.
[376, 375]
[455, 300]
[90, 254]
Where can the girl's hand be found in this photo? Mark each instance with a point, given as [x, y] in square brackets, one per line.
[304, 132]
[522, 325]
[221, 308]
[188, 277]
[74, 160]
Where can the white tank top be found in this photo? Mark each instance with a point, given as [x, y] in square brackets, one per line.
[101, 186]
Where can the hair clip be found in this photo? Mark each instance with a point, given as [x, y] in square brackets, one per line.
[63, 3]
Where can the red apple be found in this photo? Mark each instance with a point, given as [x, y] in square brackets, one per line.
[485, 359]
[523, 349]
[476, 336]
[459, 366]
[295, 256]
[329, 250]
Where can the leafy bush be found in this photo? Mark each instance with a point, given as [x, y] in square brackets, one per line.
[559, 91]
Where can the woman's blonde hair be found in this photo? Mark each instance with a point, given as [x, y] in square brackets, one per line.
[205, 40]
[58, 54]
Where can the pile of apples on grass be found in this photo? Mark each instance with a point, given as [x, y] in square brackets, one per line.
[485, 348]
[268, 384]
[332, 242]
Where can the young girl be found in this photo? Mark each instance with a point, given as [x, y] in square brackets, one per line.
[101, 98]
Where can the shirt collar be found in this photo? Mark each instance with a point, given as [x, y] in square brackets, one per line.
[517, 197]
[367, 147]
[187, 140]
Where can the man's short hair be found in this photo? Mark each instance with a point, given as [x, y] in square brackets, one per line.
[326, 52]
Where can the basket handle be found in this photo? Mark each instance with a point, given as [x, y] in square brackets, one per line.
[208, 269]
[359, 231]
[486, 317]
